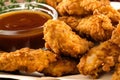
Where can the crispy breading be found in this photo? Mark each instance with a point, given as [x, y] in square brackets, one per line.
[91, 5]
[79, 7]
[53, 3]
[98, 27]
[70, 7]
[70, 20]
[102, 57]
[61, 39]
[116, 75]
[109, 11]
[28, 60]
[116, 39]
[98, 59]
[63, 66]
[116, 35]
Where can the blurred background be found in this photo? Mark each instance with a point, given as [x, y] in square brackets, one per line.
[5, 2]
[14, 1]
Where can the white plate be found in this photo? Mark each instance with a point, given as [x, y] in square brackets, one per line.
[115, 5]
[71, 77]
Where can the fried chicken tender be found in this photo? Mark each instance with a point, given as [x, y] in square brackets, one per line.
[99, 59]
[28, 60]
[109, 11]
[70, 7]
[53, 3]
[116, 36]
[102, 57]
[79, 7]
[61, 39]
[116, 75]
[98, 27]
[116, 40]
[70, 20]
[63, 66]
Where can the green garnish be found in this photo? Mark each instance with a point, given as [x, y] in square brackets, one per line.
[27, 6]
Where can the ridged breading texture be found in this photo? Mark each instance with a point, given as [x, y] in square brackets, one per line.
[26, 59]
[60, 38]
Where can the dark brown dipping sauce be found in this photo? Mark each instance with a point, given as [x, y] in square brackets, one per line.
[22, 20]
[20, 29]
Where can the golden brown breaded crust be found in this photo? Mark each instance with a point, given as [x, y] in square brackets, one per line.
[63, 66]
[79, 7]
[98, 59]
[28, 60]
[53, 3]
[98, 27]
[61, 39]
[116, 35]
[91, 5]
[116, 39]
[116, 75]
[102, 57]
[70, 7]
[70, 20]
[109, 11]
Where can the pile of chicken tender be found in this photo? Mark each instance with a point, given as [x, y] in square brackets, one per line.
[85, 39]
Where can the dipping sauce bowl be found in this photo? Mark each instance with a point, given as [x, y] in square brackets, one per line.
[22, 26]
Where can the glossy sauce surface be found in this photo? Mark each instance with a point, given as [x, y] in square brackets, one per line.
[22, 20]
[20, 29]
